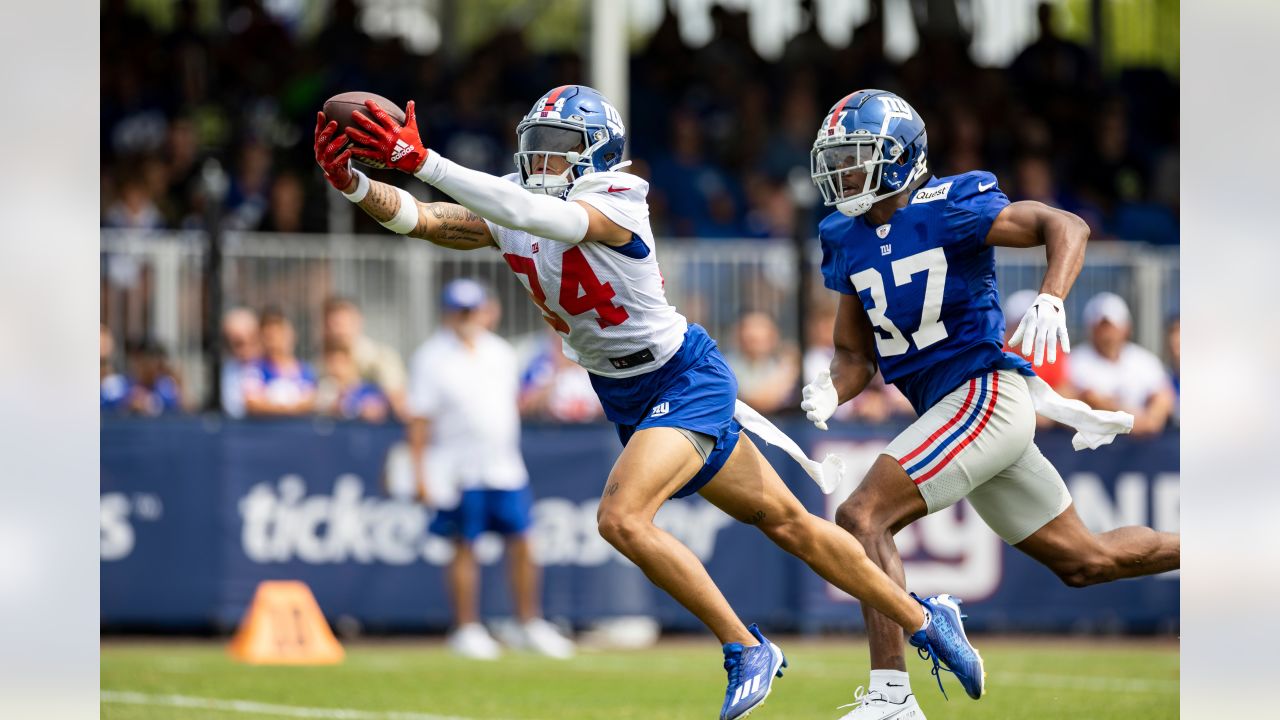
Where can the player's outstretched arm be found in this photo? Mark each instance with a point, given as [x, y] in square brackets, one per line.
[1064, 235]
[384, 140]
[444, 224]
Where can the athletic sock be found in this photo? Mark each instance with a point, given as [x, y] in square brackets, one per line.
[895, 684]
[927, 617]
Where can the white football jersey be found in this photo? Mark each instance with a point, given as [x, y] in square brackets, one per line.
[610, 309]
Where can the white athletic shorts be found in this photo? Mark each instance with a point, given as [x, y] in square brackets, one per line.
[979, 442]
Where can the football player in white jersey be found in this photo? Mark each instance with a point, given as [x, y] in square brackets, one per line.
[575, 230]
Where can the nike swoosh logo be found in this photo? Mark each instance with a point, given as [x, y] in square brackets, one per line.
[617, 189]
[987, 186]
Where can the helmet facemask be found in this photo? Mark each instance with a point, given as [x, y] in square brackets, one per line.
[849, 169]
[539, 143]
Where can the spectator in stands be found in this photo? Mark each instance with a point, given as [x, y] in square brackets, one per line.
[153, 387]
[767, 370]
[1173, 342]
[134, 208]
[1112, 373]
[464, 446]
[553, 387]
[376, 362]
[240, 362]
[342, 393]
[283, 384]
[113, 387]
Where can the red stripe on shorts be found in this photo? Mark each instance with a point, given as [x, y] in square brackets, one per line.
[973, 385]
[995, 395]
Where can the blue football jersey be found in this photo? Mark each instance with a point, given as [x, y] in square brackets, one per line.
[927, 280]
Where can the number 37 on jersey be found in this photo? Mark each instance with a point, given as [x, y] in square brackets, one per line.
[891, 341]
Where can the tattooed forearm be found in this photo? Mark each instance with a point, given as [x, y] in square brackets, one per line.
[382, 202]
[445, 212]
[452, 226]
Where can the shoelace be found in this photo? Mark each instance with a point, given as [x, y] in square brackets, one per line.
[926, 653]
[862, 697]
[733, 664]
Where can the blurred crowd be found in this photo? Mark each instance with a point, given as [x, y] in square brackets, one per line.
[718, 129]
[359, 378]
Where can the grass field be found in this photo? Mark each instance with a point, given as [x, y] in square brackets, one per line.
[1043, 679]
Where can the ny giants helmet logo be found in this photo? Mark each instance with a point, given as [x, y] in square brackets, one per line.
[613, 119]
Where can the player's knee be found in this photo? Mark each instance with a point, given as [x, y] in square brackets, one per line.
[621, 529]
[857, 519]
[791, 533]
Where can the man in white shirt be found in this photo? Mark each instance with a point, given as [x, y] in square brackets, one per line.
[1112, 373]
[464, 440]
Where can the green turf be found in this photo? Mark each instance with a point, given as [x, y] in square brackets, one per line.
[1042, 679]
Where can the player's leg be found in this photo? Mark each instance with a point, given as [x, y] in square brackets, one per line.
[884, 502]
[655, 463]
[1028, 505]
[749, 489]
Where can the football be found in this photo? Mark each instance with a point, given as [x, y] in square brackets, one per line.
[340, 106]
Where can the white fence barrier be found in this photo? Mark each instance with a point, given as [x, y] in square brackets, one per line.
[154, 285]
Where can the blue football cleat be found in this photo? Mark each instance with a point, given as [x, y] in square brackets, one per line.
[751, 673]
[944, 639]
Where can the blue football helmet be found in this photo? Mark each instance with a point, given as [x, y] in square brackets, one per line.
[872, 145]
[573, 122]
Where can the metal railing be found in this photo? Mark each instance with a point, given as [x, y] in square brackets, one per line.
[154, 285]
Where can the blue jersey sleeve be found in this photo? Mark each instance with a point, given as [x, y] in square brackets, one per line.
[833, 276]
[974, 202]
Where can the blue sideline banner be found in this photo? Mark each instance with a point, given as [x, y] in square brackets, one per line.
[197, 511]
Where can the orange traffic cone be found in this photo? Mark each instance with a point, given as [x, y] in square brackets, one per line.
[284, 626]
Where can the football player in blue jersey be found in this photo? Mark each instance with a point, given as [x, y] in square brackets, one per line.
[912, 257]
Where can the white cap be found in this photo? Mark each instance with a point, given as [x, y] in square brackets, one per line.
[1016, 305]
[1107, 306]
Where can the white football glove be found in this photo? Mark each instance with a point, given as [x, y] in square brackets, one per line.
[1044, 326]
[819, 400]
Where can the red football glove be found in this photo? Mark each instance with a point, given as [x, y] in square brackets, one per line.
[333, 160]
[387, 142]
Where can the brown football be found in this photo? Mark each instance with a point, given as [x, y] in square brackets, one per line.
[340, 106]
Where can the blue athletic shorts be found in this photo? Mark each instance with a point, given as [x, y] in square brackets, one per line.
[695, 390]
[502, 511]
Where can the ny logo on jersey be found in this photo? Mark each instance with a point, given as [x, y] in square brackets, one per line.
[661, 409]
[886, 249]
[894, 107]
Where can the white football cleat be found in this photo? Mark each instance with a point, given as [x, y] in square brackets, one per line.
[543, 638]
[876, 705]
[474, 641]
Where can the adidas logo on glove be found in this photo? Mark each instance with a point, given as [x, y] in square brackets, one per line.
[401, 149]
